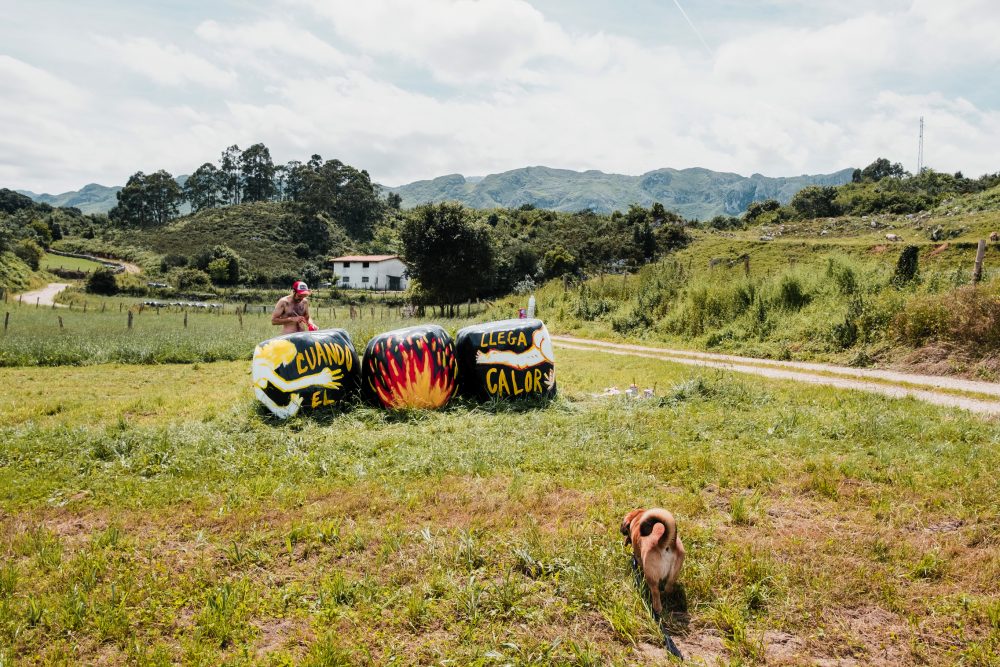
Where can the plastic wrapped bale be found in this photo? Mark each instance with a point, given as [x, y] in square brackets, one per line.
[410, 368]
[305, 371]
[506, 359]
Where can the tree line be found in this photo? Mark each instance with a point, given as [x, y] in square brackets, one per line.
[318, 187]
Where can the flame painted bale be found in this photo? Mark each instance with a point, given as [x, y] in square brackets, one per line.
[305, 371]
[410, 368]
[506, 359]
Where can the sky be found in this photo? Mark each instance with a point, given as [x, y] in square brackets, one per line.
[414, 89]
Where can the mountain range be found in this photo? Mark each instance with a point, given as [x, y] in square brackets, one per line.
[694, 193]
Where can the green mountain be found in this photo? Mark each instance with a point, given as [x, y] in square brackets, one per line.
[91, 198]
[694, 193]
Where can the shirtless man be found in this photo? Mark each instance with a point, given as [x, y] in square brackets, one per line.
[292, 311]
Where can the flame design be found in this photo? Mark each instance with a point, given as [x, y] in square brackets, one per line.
[418, 371]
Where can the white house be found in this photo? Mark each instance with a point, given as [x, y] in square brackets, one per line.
[375, 272]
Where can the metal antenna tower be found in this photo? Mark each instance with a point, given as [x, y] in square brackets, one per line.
[920, 149]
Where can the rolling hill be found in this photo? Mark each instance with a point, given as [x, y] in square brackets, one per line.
[694, 193]
[91, 198]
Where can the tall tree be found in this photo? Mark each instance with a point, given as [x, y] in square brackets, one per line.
[230, 177]
[147, 200]
[450, 256]
[258, 173]
[202, 188]
[341, 192]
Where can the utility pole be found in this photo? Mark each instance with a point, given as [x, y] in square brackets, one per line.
[920, 149]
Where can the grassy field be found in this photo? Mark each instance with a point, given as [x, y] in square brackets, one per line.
[100, 334]
[152, 514]
[50, 262]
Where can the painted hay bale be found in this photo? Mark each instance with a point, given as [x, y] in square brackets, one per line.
[410, 368]
[506, 359]
[305, 371]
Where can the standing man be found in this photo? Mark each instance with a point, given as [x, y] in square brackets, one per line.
[292, 311]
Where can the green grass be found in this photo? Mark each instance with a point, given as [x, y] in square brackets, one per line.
[100, 334]
[153, 514]
[50, 262]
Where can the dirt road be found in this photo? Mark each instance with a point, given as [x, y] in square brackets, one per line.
[45, 296]
[953, 392]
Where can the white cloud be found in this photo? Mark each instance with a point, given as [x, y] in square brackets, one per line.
[262, 41]
[165, 64]
[363, 84]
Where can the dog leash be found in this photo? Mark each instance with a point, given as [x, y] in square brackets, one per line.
[668, 641]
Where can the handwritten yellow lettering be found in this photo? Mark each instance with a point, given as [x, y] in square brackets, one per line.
[491, 386]
[521, 340]
[538, 379]
[502, 386]
[298, 364]
[316, 395]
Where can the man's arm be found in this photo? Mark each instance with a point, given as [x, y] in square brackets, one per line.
[278, 316]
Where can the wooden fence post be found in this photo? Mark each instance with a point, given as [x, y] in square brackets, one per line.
[38, 301]
[60, 322]
[130, 319]
[977, 271]
[239, 314]
[6, 321]
[185, 319]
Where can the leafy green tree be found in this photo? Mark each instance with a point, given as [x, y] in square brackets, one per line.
[42, 233]
[394, 200]
[342, 192]
[230, 177]
[815, 201]
[557, 262]
[203, 188]
[192, 279]
[221, 263]
[147, 200]
[882, 168]
[449, 255]
[30, 253]
[102, 281]
[758, 208]
[258, 173]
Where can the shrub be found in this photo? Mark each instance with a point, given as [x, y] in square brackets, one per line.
[906, 266]
[30, 253]
[196, 279]
[102, 281]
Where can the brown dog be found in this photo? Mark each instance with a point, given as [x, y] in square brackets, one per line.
[657, 549]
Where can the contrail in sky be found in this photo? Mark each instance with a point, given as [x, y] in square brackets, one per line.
[696, 31]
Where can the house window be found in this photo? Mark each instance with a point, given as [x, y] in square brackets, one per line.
[364, 265]
[346, 264]
[345, 280]
[364, 279]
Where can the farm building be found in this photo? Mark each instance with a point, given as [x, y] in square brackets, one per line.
[375, 272]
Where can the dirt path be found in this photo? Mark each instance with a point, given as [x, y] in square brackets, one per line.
[887, 383]
[129, 266]
[45, 296]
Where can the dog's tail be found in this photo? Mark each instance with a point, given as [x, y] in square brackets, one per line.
[660, 525]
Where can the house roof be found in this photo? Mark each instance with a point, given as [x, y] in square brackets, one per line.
[364, 258]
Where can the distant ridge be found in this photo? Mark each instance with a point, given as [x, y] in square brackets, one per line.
[91, 198]
[694, 193]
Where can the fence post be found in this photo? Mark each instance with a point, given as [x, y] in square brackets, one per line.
[38, 301]
[185, 319]
[103, 306]
[130, 319]
[60, 322]
[977, 271]
[6, 321]
[239, 314]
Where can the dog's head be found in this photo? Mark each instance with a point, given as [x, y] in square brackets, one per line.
[627, 524]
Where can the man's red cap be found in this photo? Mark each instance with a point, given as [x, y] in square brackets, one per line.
[300, 287]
